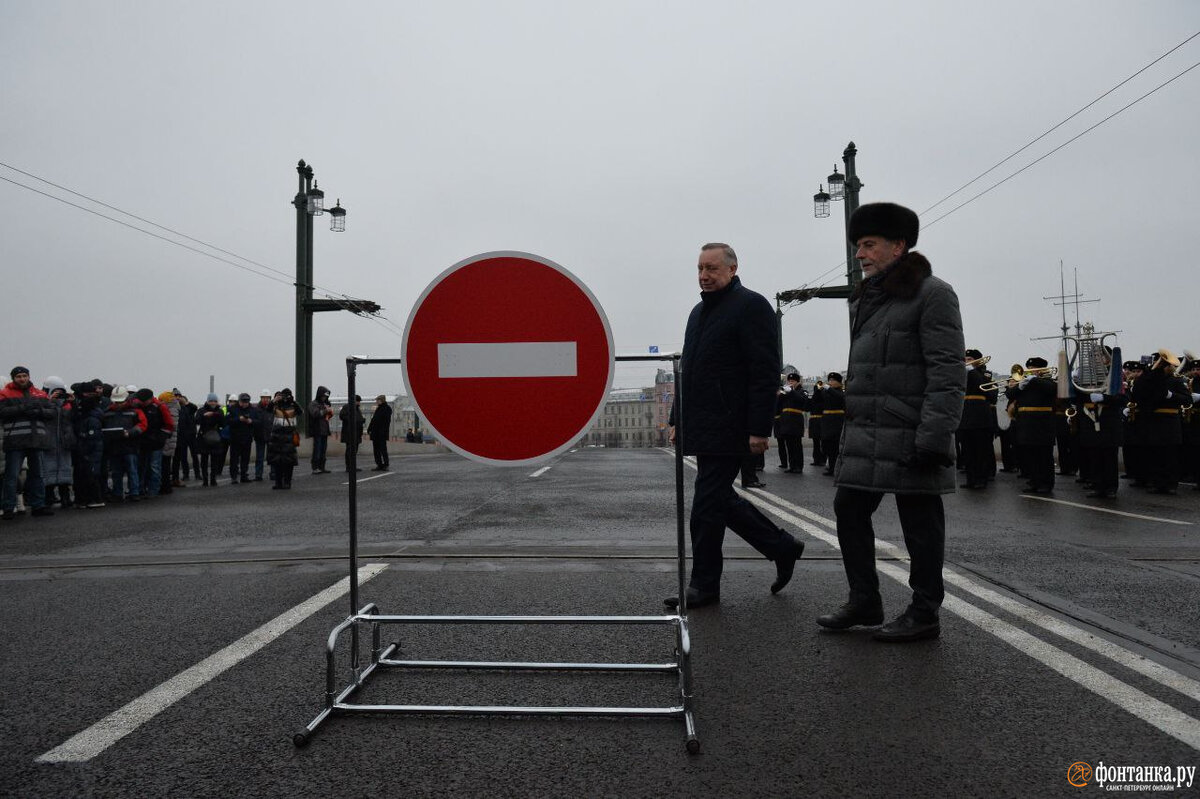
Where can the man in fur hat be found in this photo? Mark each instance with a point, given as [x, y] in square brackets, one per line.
[904, 393]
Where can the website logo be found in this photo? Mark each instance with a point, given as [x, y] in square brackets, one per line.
[1079, 774]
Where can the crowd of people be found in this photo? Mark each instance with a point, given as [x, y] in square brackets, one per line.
[1046, 426]
[93, 443]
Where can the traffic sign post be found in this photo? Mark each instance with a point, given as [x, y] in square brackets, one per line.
[540, 340]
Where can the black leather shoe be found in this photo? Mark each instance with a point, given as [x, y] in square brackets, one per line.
[784, 567]
[795, 471]
[755, 484]
[905, 628]
[41, 512]
[852, 615]
[695, 599]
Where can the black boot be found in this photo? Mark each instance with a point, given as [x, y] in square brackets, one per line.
[64, 492]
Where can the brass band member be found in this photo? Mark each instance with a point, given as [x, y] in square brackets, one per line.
[792, 402]
[832, 419]
[1100, 428]
[975, 429]
[816, 410]
[1132, 449]
[1191, 424]
[1033, 396]
[1160, 395]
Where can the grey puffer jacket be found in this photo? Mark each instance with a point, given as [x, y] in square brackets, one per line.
[905, 382]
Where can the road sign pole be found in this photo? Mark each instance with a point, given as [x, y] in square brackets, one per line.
[338, 702]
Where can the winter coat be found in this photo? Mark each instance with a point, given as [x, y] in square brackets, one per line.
[979, 406]
[159, 426]
[351, 432]
[833, 417]
[241, 423]
[264, 420]
[186, 429]
[729, 372]
[122, 426]
[319, 414]
[1159, 397]
[281, 447]
[171, 408]
[791, 406]
[56, 461]
[87, 419]
[208, 429]
[24, 415]
[905, 381]
[1100, 424]
[1035, 425]
[381, 423]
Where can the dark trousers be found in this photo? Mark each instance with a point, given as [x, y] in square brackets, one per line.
[923, 521]
[830, 447]
[260, 452]
[239, 459]
[716, 506]
[320, 445]
[1008, 452]
[1162, 466]
[379, 450]
[783, 453]
[1037, 464]
[818, 453]
[794, 447]
[978, 455]
[186, 459]
[1101, 467]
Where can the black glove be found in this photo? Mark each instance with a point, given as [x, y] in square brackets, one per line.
[926, 460]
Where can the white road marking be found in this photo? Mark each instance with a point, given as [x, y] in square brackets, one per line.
[106, 732]
[540, 471]
[1106, 510]
[1101, 646]
[1162, 716]
[369, 479]
[508, 359]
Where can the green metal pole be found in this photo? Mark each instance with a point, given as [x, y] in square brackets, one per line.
[853, 268]
[302, 282]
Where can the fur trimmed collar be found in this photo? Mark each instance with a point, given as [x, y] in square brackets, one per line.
[903, 279]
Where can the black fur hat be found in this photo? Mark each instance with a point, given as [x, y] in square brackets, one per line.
[1035, 363]
[833, 376]
[974, 355]
[888, 220]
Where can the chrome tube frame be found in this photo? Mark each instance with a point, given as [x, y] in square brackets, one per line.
[336, 702]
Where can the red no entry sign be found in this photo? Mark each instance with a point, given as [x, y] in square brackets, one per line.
[508, 358]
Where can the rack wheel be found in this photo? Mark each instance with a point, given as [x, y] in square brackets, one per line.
[693, 745]
[300, 739]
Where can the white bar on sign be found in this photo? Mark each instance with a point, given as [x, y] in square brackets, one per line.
[508, 359]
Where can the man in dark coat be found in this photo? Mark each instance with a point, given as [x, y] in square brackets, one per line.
[791, 404]
[1034, 398]
[1160, 396]
[379, 430]
[24, 411]
[723, 412]
[975, 429]
[320, 411]
[833, 417]
[904, 394]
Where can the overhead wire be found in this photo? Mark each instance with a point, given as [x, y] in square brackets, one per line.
[1064, 144]
[1038, 138]
[344, 301]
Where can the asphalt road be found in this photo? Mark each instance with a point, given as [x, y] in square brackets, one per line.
[172, 648]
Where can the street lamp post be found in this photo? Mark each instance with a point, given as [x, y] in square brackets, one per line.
[309, 202]
[842, 188]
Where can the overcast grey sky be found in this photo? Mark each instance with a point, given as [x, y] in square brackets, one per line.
[613, 138]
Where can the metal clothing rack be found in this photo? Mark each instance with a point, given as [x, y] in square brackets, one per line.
[337, 701]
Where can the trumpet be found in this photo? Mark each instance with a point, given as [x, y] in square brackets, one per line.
[1018, 373]
[979, 361]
